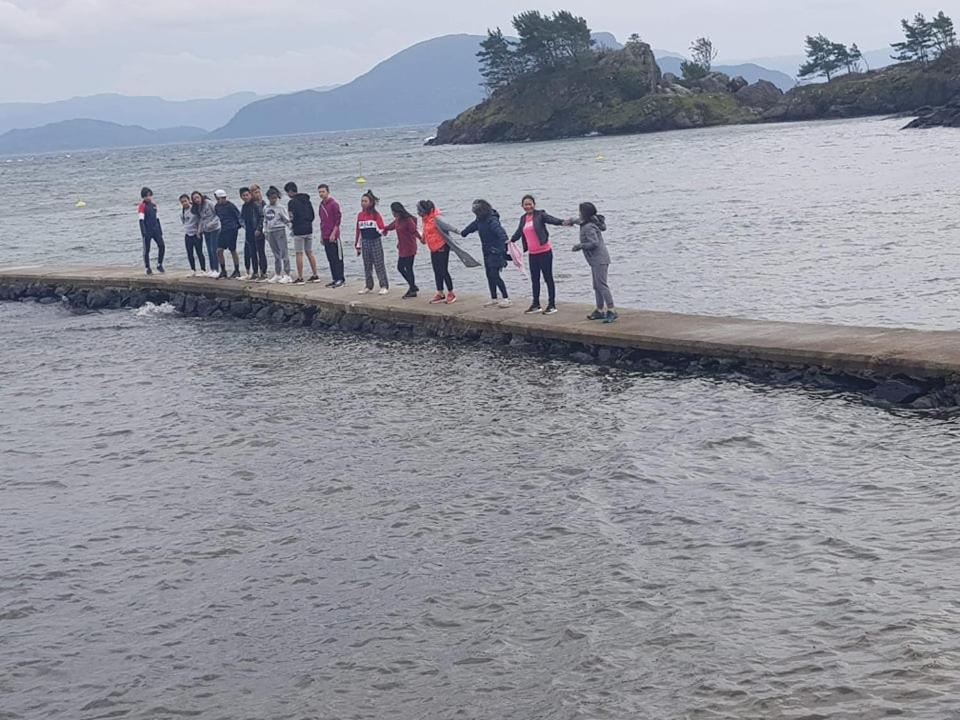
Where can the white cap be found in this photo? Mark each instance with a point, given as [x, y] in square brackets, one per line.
[219, 193]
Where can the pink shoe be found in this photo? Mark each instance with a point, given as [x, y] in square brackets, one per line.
[451, 298]
[437, 299]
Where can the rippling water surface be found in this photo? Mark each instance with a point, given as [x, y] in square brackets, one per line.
[230, 520]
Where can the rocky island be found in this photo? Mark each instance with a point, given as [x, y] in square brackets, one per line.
[611, 92]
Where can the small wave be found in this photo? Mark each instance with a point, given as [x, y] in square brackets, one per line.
[152, 310]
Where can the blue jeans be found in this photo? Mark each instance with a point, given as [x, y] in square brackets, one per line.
[211, 239]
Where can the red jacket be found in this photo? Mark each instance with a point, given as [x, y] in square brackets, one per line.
[407, 236]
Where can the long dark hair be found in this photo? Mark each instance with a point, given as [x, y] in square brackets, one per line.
[425, 207]
[195, 207]
[400, 212]
[482, 209]
[373, 200]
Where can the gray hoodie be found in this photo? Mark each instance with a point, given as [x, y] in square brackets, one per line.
[209, 222]
[191, 223]
[591, 242]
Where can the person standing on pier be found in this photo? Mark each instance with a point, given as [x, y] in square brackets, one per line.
[330, 219]
[301, 219]
[252, 215]
[438, 235]
[536, 241]
[275, 222]
[594, 250]
[191, 236]
[493, 240]
[369, 244]
[230, 224]
[407, 235]
[209, 226]
[150, 230]
[260, 239]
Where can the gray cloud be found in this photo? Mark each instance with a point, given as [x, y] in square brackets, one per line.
[51, 49]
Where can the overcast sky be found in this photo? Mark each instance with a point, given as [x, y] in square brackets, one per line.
[53, 49]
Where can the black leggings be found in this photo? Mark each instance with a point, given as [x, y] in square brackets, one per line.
[258, 255]
[335, 259]
[194, 245]
[441, 269]
[542, 264]
[494, 281]
[161, 249]
[405, 268]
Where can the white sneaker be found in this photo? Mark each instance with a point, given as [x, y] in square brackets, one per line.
[193, 273]
[505, 303]
[490, 303]
[286, 280]
[273, 279]
[213, 273]
[364, 291]
[383, 291]
[247, 277]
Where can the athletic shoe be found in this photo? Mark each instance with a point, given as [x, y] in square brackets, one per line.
[533, 310]
[611, 317]
[451, 298]
[148, 271]
[331, 284]
[438, 298]
[505, 303]
[551, 309]
[274, 279]
[597, 315]
[298, 281]
[193, 273]
[365, 291]
[313, 279]
[213, 274]
[247, 277]
[383, 291]
[491, 303]
[235, 275]
[222, 275]
[160, 269]
[339, 283]
[410, 294]
[286, 280]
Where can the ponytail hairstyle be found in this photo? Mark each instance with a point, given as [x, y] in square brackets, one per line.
[273, 191]
[400, 212]
[373, 200]
[425, 207]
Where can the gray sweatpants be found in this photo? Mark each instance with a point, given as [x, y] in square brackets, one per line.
[600, 287]
[372, 251]
[277, 240]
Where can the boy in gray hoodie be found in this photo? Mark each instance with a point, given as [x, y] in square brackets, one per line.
[595, 251]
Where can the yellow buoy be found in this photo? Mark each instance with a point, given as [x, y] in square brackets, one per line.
[80, 204]
[361, 180]
[600, 157]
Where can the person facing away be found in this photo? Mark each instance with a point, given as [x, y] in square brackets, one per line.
[436, 234]
[301, 222]
[191, 235]
[150, 230]
[209, 226]
[595, 252]
[369, 244]
[230, 224]
[330, 219]
[532, 229]
[407, 236]
[251, 213]
[275, 222]
[493, 241]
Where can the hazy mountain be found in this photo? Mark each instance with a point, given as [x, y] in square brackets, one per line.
[148, 112]
[749, 71]
[420, 85]
[84, 134]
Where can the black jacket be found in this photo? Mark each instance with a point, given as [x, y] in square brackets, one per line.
[540, 222]
[229, 216]
[301, 214]
[252, 214]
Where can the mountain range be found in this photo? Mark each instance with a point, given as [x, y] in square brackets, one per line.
[421, 85]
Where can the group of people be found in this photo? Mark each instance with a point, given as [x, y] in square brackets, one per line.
[211, 230]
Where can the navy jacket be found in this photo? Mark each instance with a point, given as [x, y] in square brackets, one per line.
[302, 214]
[493, 238]
[229, 216]
[540, 221]
[252, 214]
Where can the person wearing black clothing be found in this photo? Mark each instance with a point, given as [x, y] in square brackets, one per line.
[493, 241]
[230, 224]
[254, 247]
[150, 230]
[536, 242]
[302, 216]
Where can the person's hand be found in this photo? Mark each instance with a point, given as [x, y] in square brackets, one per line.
[568, 222]
[577, 248]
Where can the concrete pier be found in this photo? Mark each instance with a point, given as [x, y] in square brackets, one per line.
[898, 366]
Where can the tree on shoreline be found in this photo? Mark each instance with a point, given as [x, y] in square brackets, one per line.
[925, 40]
[825, 57]
[545, 42]
[702, 55]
